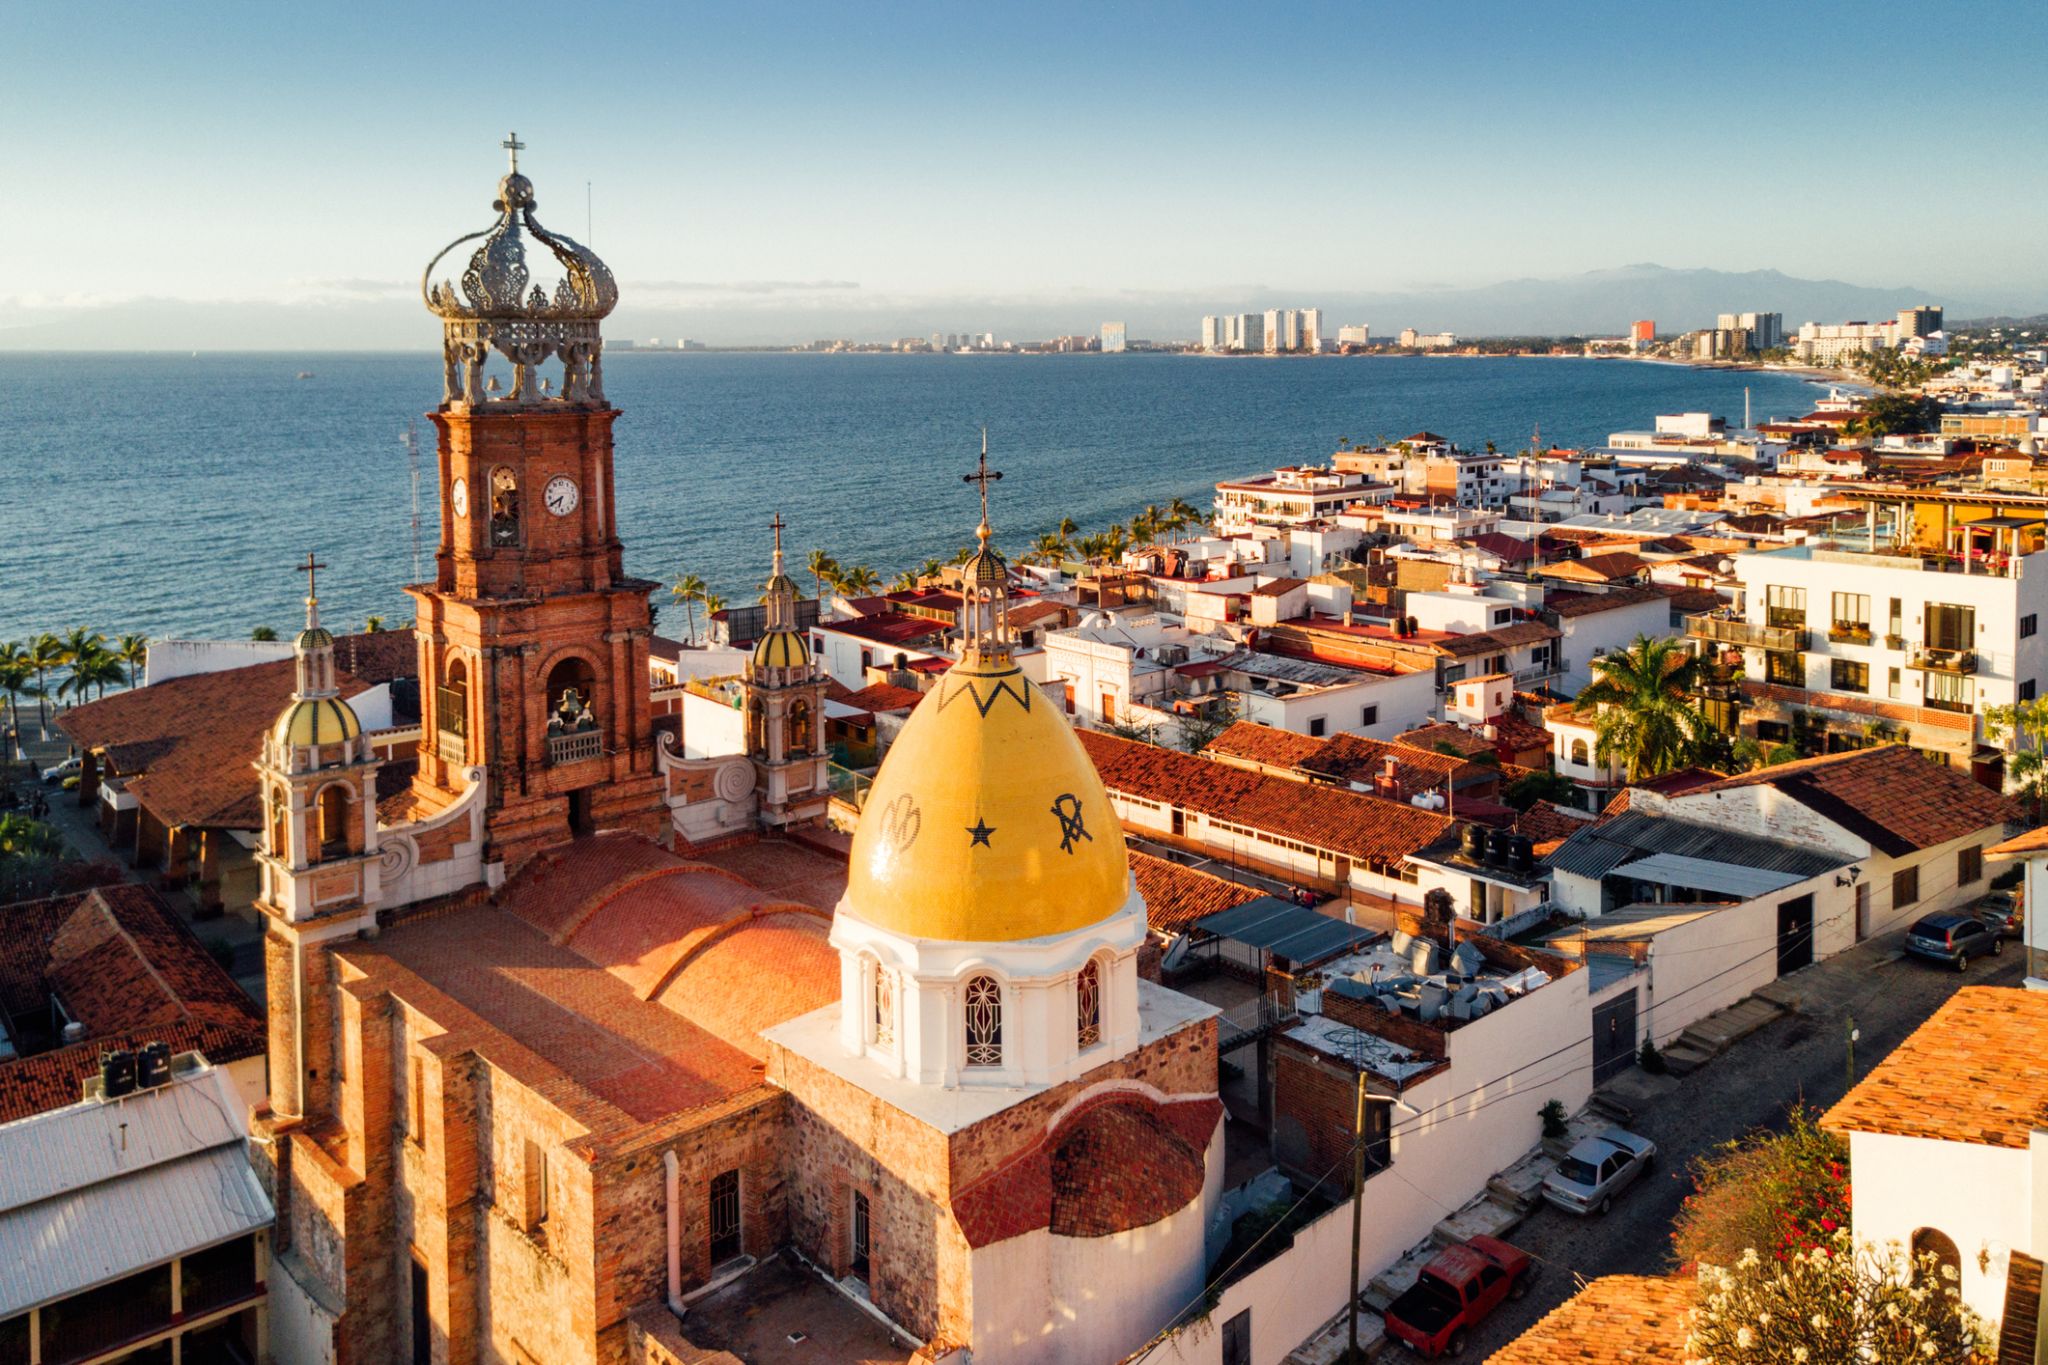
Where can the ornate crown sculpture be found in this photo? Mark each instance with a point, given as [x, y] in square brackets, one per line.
[499, 306]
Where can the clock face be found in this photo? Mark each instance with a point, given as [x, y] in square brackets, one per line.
[561, 495]
[459, 496]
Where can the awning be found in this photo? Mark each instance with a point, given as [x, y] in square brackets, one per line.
[1291, 931]
[1701, 874]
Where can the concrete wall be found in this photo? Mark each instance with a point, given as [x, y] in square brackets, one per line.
[1981, 1197]
[1584, 636]
[712, 729]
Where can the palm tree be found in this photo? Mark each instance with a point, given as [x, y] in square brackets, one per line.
[713, 604]
[2027, 723]
[90, 675]
[15, 672]
[859, 581]
[45, 652]
[1067, 529]
[373, 625]
[1118, 539]
[689, 590]
[263, 633]
[1048, 549]
[931, 568]
[132, 651]
[1183, 513]
[905, 581]
[824, 569]
[1647, 718]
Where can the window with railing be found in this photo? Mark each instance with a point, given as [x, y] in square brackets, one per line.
[1850, 617]
[1949, 692]
[1950, 626]
[1784, 606]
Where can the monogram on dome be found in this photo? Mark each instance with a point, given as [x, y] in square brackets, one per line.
[528, 305]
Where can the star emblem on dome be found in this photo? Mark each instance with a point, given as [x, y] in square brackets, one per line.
[980, 830]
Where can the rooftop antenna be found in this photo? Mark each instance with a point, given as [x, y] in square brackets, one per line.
[411, 441]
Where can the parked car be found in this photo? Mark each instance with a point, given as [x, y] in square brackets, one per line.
[1598, 1168]
[1951, 938]
[70, 767]
[1459, 1286]
[2001, 910]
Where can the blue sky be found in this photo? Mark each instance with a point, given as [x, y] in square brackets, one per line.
[283, 152]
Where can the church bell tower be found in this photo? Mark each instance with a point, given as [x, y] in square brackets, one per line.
[533, 641]
[785, 696]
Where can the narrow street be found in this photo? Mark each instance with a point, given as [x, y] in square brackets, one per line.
[1803, 1054]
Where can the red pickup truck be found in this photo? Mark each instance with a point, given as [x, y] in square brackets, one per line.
[1459, 1286]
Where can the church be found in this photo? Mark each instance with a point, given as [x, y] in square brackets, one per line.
[573, 1037]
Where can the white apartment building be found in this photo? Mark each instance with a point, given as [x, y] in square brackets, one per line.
[1113, 339]
[1913, 640]
[1105, 669]
[1288, 497]
[1359, 334]
[1766, 330]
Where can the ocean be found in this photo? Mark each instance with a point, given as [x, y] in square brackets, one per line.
[170, 495]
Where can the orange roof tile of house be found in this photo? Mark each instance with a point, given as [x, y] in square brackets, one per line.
[1262, 744]
[1891, 795]
[188, 742]
[1974, 1072]
[126, 968]
[1377, 831]
[1612, 567]
[1614, 1320]
[883, 696]
[1177, 896]
[2033, 841]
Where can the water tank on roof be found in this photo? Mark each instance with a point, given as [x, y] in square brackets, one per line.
[1472, 842]
[74, 1032]
[117, 1073]
[153, 1065]
[1522, 853]
[1497, 845]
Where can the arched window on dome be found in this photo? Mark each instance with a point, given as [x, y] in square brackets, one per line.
[1088, 1006]
[984, 1021]
[332, 808]
[882, 1014]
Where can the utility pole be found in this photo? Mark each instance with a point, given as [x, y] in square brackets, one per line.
[1357, 1206]
[1854, 1034]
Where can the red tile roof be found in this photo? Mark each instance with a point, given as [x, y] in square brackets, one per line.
[1591, 603]
[888, 628]
[1891, 795]
[883, 696]
[194, 738]
[1612, 567]
[1262, 744]
[125, 967]
[1614, 1320]
[1357, 826]
[1177, 896]
[1974, 1072]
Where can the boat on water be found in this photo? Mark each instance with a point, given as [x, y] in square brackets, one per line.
[305, 374]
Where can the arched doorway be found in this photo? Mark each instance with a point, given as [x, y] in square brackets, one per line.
[1933, 1242]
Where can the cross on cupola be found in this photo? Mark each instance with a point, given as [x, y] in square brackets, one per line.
[513, 145]
[311, 569]
[776, 525]
[985, 580]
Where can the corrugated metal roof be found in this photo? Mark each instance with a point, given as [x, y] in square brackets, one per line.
[1600, 848]
[90, 1236]
[95, 1191]
[1294, 932]
[1732, 880]
[84, 1144]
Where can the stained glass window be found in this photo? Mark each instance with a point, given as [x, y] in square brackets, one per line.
[1088, 1007]
[984, 1022]
[885, 1007]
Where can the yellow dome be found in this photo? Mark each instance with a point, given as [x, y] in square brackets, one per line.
[987, 822]
[318, 720]
[781, 649]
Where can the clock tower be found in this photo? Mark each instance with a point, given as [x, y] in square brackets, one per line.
[533, 641]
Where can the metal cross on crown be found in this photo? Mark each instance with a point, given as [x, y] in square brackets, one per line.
[984, 476]
[513, 145]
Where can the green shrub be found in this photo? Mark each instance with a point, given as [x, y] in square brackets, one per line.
[1553, 1116]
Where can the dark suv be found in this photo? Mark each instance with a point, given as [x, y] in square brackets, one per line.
[2001, 909]
[1953, 939]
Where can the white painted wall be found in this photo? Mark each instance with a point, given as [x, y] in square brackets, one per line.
[1607, 631]
[301, 1331]
[712, 729]
[1982, 1197]
[169, 659]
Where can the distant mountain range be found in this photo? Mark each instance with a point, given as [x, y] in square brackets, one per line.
[373, 315]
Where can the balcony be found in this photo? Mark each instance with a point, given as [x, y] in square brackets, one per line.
[575, 746]
[1932, 660]
[1850, 632]
[452, 747]
[1716, 628]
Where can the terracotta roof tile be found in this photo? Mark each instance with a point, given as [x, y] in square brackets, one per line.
[1614, 1320]
[2033, 841]
[1358, 826]
[1890, 795]
[1177, 896]
[127, 969]
[1974, 1072]
[1591, 603]
[1262, 744]
[883, 696]
[195, 738]
[1602, 568]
